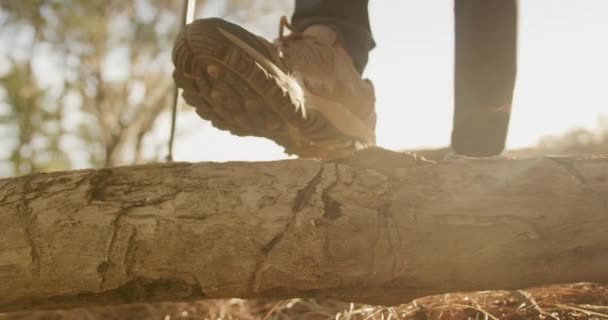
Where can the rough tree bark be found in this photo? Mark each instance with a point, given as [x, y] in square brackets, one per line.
[380, 227]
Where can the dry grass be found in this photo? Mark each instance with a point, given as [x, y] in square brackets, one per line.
[576, 301]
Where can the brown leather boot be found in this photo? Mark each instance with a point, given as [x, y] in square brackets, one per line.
[302, 91]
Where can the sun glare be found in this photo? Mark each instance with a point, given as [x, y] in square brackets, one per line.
[562, 77]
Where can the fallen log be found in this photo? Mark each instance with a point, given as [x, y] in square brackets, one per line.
[380, 227]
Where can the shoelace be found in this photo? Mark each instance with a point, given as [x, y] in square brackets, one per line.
[317, 58]
[303, 50]
[283, 24]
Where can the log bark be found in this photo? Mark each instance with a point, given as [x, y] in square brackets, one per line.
[379, 227]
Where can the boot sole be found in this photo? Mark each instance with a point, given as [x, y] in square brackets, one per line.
[229, 88]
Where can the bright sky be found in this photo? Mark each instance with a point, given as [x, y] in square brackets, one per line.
[562, 78]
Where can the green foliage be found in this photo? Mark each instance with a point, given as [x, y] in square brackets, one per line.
[108, 80]
[36, 130]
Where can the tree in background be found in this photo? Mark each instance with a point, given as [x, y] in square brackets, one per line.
[30, 133]
[104, 68]
[83, 83]
[578, 141]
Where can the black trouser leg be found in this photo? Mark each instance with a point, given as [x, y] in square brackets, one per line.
[350, 17]
[485, 68]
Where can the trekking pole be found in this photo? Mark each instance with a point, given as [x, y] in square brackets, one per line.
[187, 17]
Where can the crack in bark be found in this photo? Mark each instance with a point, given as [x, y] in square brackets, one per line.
[393, 187]
[24, 212]
[574, 172]
[124, 211]
[571, 169]
[129, 259]
[273, 242]
[332, 209]
[303, 197]
[305, 194]
[381, 213]
[384, 212]
[5, 195]
[24, 215]
[116, 227]
[385, 215]
[109, 262]
[383, 229]
[258, 267]
[200, 285]
[98, 184]
[41, 190]
[375, 242]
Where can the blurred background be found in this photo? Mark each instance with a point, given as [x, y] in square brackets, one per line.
[88, 83]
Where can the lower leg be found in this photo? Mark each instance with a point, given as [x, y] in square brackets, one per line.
[485, 69]
[349, 17]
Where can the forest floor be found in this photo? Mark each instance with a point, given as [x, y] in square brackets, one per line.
[582, 301]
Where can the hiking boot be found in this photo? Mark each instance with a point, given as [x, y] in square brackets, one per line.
[302, 91]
